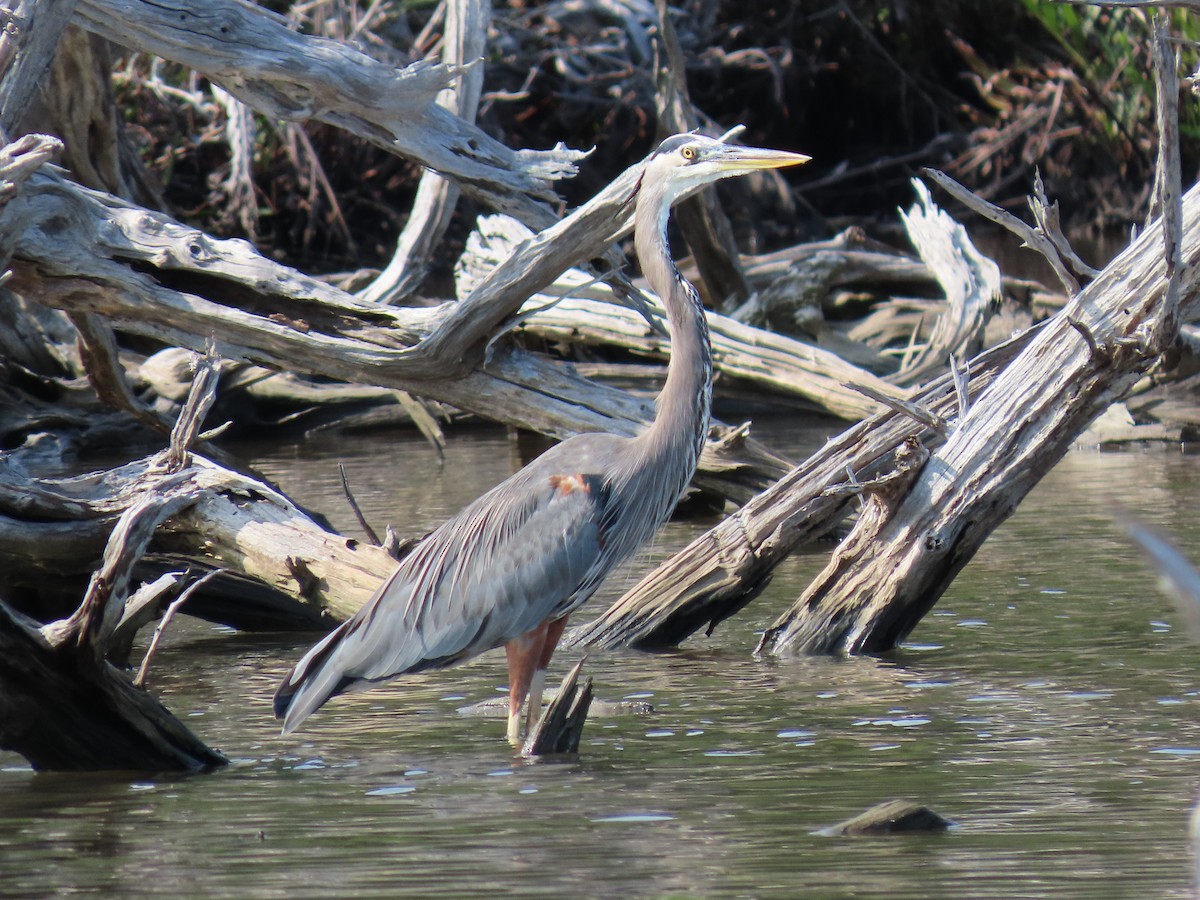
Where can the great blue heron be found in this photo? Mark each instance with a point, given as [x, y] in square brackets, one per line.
[510, 567]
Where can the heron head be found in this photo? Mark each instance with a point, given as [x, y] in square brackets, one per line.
[686, 161]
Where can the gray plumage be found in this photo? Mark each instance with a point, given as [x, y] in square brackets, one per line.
[537, 546]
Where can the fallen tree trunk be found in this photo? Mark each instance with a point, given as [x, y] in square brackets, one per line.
[900, 559]
[727, 567]
[575, 308]
[148, 275]
[59, 526]
[254, 55]
[88, 716]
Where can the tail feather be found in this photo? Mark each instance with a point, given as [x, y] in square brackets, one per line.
[311, 682]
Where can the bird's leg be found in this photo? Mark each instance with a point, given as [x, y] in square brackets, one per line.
[524, 653]
[553, 631]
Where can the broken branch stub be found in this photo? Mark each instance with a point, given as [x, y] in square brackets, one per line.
[970, 280]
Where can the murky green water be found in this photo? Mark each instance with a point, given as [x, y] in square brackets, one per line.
[1049, 705]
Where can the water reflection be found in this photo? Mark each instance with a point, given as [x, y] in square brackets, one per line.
[1047, 705]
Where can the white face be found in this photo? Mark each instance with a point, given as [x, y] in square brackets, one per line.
[685, 162]
[689, 165]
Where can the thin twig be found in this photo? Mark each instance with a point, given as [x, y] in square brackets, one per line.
[1033, 238]
[960, 371]
[358, 513]
[140, 679]
[914, 411]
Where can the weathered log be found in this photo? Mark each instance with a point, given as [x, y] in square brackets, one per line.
[463, 46]
[56, 525]
[254, 55]
[577, 309]
[87, 714]
[149, 275]
[876, 590]
[62, 706]
[59, 525]
[820, 271]
[725, 568]
[77, 103]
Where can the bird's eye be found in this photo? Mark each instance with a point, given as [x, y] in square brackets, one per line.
[688, 153]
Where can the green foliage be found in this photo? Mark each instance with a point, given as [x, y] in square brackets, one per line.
[1109, 48]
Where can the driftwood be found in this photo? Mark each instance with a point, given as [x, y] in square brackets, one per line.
[463, 46]
[897, 563]
[256, 57]
[921, 526]
[970, 280]
[146, 274]
[115, 269]
[577, 309]
[727, 567]
[899, 560]
[63, 705]
[58, 527]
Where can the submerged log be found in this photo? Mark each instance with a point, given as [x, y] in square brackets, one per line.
[892, 817]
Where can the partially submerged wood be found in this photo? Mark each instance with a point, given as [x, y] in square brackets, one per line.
[58, 526]
[560, 727]
[891, 817]
[62, 705]
[880, 584]
[726, 568]
[62, 713]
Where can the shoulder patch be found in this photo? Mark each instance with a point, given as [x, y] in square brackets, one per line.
[571, 484]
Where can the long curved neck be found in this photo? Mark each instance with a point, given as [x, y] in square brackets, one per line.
[681, 419]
